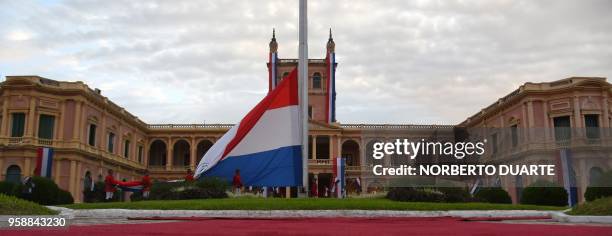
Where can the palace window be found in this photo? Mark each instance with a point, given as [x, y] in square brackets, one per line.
[514, 133]
[111, 142]
[18, 124]
[494, 143]
[562, 128]
[591, 123]
[316, 80]
[91, 139]
[126, 149]
[310, 112]
[46, 125]
[140, 149]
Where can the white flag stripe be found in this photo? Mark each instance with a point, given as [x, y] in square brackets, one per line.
[275, 129]
[214, 154]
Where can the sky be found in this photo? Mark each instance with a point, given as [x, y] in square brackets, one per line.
[413, 62]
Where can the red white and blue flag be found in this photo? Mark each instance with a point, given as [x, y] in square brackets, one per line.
[131, 186]
[265, 145]
[567, 175]
[44, 162]
[339, 180]
[272, 72]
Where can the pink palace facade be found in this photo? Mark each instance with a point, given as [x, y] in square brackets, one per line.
[90, 133]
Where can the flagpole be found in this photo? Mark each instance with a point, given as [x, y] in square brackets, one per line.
[303, 78]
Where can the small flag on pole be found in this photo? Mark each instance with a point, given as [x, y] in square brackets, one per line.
[339, 183]
[44, 162]
[568, 176]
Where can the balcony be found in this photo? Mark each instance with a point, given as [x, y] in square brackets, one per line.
[541, 140]
[320, 162]
[157, 168]
[62, 144]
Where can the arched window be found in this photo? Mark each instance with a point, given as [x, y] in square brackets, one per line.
[316, 80]
[13, 174]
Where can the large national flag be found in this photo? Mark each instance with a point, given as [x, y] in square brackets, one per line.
[131, 186]
[265, 145]
[44, 162]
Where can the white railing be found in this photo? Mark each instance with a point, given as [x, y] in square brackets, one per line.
[394, 126]
[190, 126]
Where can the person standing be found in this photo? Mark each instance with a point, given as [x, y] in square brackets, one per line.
[109, 185]
[88, 187]
[237, 182]
[314, 189]
[146, 185]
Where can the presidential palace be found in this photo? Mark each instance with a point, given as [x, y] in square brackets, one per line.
[90, 133]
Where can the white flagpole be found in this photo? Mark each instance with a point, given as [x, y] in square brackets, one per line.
[303, 78]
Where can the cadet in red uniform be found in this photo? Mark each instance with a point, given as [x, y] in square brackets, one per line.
[109, 185]
[146, 184]
[189, 176]
[237, 182]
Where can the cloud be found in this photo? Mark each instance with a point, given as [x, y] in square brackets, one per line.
[399, 61]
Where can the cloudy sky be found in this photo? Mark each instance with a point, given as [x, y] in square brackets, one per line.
[423, 62]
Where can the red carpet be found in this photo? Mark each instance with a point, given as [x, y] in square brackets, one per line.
[324, 226]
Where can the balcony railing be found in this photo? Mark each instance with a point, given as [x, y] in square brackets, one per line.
[90, 150]
[190, 126]
[171, 168]
[511, 142]
[320, 162]
[15, 140]
[45, 142]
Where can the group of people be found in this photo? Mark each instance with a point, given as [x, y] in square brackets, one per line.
[111, 184]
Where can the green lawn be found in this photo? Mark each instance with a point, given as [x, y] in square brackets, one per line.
[599, 207]
[10, 205]
[247, 203]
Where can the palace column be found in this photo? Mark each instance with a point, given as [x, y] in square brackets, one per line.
[77, 120]
[60, 133]
[314, 147]
[72, 177]
[547, 136]
[192, 154]
[31, 118]
[169, 154]
[606, 114]
[5, 116]
[531, 120]
[576, 131]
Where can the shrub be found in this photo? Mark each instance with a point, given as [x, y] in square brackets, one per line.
[64, 197]
[544, 193]
[7, 188]
[165, 190]
[212, 183]
[493, 195]
[44, 191]
[455, 194]
[600, 188]
[407, 194]
[593, 193]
